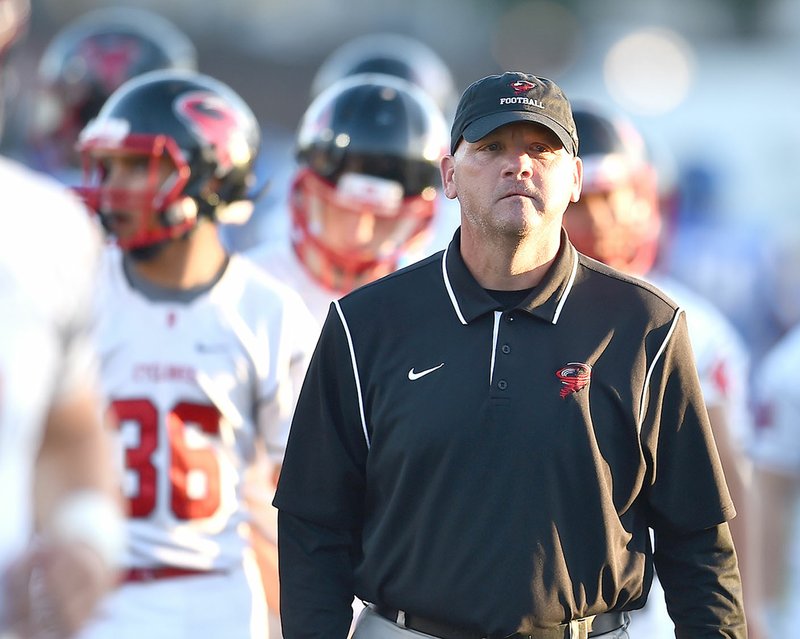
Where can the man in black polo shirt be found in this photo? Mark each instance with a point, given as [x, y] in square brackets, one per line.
[484, 438]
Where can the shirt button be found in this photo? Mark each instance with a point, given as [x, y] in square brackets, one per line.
[502, 384]
[505, 348]
[509, 318]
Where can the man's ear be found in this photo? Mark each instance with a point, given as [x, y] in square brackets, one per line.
[447, 168]
[578, 178]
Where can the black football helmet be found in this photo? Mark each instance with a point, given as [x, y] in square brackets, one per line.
[199, 124]
[393, 54]
[86, 62]
[618, 219]
[368, 151]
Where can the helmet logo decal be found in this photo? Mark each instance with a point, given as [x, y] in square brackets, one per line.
[574, 376]
[111, 64]
[213, 121]
[522, 86]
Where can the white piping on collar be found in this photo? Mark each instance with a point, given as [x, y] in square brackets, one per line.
[355, 371]
[660, 352]
[495, 333]
[567, 290]
[449, 288]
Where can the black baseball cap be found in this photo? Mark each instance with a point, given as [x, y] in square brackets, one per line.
[496, 100]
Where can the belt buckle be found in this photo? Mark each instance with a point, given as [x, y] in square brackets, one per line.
[579, 628]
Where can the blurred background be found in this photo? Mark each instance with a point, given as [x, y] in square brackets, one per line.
[712, 83]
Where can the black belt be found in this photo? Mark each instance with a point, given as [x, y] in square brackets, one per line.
[600, 624]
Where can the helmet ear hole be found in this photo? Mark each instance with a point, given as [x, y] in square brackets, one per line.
[180, 212]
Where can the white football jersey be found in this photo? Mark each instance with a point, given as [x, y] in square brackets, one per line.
[723, 361]
[282, 263]
[48, 253]
[777, 399]
[193, 380]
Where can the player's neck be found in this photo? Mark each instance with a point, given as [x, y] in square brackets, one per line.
[185, 263]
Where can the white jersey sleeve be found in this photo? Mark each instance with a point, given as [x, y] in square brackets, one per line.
[292, 338]
[776, 395]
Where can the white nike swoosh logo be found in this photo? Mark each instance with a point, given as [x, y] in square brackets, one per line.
[412, 375]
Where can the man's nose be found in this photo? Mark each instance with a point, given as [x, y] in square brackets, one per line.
[114, 175]
[519, 164]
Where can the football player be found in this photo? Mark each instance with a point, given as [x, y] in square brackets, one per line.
[364, 192]
[61, 532]
[202, 353]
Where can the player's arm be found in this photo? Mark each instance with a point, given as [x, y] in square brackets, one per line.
[259, 489]
[72, 563]
[299, 333]
[736, 468]
[775, 494]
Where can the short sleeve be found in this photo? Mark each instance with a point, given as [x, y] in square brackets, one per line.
[297, 334]
[687, 489]
[323, 476]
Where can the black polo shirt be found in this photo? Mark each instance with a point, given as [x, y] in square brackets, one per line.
[493, 466]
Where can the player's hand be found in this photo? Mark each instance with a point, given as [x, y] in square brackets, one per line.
[52, 591]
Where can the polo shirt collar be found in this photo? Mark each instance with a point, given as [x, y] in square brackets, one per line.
[545, 301]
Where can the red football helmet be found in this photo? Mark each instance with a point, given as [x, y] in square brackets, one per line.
[201, 128]
[617, 220]
[366, 188]
[86, 62]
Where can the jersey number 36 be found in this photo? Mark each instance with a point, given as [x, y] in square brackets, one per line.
[183, 460]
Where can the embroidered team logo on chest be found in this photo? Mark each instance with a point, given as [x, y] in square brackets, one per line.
[574, 376]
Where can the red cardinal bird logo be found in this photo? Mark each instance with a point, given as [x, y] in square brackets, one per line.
[212, 120]
[111, 61]
[574, 376]
[522, 86]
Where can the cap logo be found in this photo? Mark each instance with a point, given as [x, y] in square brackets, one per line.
[522, 86]
[574, 376]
